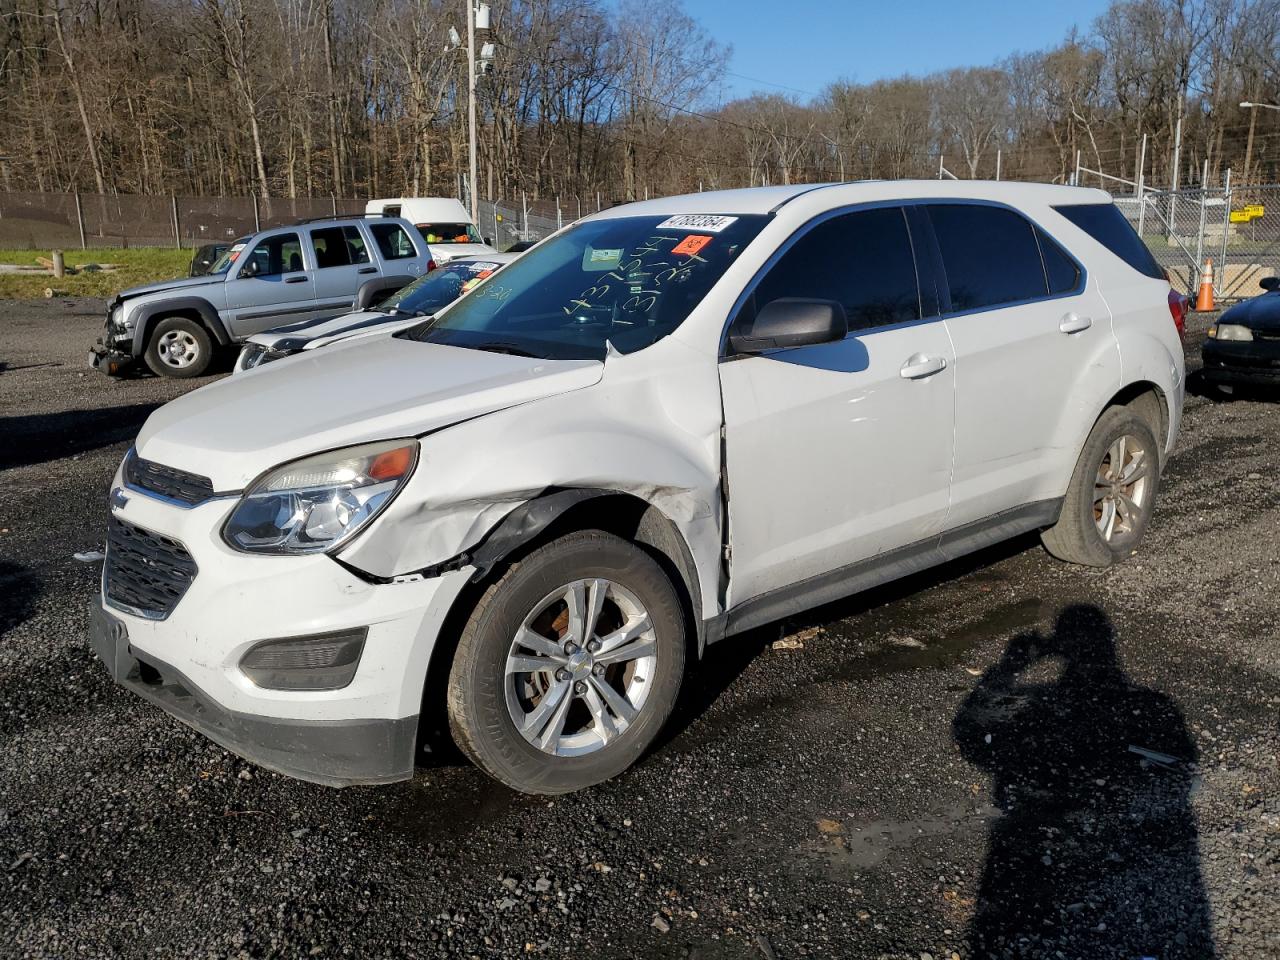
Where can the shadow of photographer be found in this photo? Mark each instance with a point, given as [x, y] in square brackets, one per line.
[1096, 850]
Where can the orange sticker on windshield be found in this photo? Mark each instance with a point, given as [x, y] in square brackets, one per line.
[691, 245]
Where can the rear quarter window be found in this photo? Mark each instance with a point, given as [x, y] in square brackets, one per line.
[1106, 224]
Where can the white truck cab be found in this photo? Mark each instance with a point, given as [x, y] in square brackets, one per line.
[665, 425]
[443, 221]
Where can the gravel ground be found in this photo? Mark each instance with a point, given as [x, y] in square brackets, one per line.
[943, 768]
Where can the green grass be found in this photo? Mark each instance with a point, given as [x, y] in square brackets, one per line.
[134, 266]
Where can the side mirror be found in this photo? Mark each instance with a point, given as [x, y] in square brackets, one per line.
[488, 241]
[1269, 283]
[792, 322]
[250, 269]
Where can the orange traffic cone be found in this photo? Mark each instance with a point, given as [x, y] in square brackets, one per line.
[1204, 299]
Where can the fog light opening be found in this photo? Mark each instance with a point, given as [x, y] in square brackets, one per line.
[322, 661]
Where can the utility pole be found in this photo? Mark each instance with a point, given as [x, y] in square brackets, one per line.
[471, 108]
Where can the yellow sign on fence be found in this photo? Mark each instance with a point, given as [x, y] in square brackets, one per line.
[1249, 212]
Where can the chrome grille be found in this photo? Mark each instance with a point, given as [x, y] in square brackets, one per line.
[146, 573]
[189, 488]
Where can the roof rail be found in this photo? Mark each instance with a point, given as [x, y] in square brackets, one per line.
[338, 216]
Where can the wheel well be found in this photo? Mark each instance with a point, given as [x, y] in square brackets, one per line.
[194, 314]
[621, 514]
[1149, 402]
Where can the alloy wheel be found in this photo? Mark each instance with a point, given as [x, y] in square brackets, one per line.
[1121, 488]
[580, 667]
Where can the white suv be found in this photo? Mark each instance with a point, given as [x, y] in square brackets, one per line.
[670, 423]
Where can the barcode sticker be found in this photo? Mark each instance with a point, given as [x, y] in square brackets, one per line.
[705, 222]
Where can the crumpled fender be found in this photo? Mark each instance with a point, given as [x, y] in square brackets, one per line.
[650, 429]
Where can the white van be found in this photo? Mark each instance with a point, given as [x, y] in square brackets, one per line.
[444, 223]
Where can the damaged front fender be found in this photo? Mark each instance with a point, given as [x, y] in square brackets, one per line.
[655, 437]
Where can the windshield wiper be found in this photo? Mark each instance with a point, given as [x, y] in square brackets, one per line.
[498, 346]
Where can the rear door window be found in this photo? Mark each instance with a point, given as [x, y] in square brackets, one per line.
[393, 241]
[862, 260]
[1106, 224]
[338, 247]
[990, 255]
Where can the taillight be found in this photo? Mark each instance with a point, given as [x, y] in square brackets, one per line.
[1178, 306]
[431, 265]
[1178, 310]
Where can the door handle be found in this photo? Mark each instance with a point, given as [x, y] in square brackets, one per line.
[295, 279]
[918, 366]
[1074, 323]
[368, 269]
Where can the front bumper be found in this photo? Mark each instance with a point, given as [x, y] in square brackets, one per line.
[113, 351]
[335, 753]
[1241, 361]
[354, 734]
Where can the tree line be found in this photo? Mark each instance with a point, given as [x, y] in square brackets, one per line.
[301, 98]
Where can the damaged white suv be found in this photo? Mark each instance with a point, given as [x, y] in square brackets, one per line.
[670, 423]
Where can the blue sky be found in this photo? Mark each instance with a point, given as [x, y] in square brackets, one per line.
[805, 44]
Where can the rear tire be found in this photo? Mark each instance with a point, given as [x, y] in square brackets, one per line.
[546, 721]
[1112, 492]
[179, 348]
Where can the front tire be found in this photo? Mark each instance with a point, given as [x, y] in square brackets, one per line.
[569, 665]
[179, 348]
[1112, 492]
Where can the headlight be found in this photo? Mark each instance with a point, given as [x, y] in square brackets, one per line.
[1230, 331]
[317, 503]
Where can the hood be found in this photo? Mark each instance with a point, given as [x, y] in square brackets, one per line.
[363, 390]
[309, 333]
[1260, 313]
[444, 252]
[175, 284]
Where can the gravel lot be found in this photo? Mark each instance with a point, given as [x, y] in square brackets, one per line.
[940, 769]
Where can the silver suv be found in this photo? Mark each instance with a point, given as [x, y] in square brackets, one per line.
[311, 270]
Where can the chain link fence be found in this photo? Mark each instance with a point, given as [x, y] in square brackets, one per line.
[69, 220]
[1237, 227]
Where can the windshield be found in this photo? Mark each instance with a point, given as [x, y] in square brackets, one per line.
[440, 287]
[626, 282]
[449, 232]
[224, 262]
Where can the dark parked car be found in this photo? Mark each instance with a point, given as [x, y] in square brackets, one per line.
[1243, 347]
[205, 257]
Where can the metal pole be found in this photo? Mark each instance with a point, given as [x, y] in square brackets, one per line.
[1173, 185]
[524, 226]
[177, 234]
[940, 167]
[495, 223]
[559, 218]
[999, 156]
[1204, 191]
[333, 202]
[598, 207]
[579, 208]
[80, 221]
[471, 107]
[1075, 180]
[1226, 225]
[257, 223]
[1142, 182]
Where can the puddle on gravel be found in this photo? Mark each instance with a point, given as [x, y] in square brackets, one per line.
[858, 846]
[438, 806]
[904, 650]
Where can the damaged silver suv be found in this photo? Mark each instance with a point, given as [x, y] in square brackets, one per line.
[312, 270]
[670, 423]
